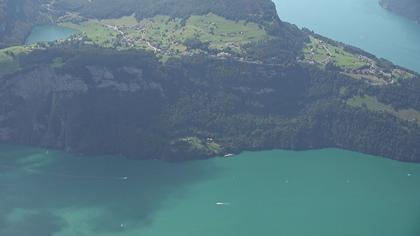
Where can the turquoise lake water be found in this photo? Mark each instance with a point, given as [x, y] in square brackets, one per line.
[318, 193]
[362, 23]
[49, 33]
[270, 193]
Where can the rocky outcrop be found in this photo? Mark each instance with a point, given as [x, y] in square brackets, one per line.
[90, 114]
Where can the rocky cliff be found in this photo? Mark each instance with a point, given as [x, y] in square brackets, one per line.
[129, 103]
[289, 89]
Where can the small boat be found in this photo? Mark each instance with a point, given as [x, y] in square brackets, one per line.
[229, 155]
[222, 203]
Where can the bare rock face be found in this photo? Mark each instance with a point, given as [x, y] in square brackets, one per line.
[104, 112]
[132, 82]
[122, 103]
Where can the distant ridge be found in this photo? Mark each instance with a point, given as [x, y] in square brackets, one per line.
[406, 8]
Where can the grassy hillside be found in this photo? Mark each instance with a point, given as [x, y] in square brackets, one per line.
[172, 36]
[334, 56]
[372, 104]
[17, 17]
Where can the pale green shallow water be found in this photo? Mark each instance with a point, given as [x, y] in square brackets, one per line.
[49, 33]
[362, 23]
[318, 193]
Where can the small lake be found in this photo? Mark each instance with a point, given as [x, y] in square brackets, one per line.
[49, 33]
[362, 23]
[270, 193]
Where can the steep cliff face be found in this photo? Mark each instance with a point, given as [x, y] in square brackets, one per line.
[287, 90]
[129, 103]
[98, 109]
[407, 8]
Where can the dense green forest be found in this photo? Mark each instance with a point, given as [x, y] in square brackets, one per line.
[253, 10]
[129, 103]
[209, 91]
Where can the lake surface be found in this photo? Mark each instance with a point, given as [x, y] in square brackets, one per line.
[318, 193]
[362, 23]
[49, 33]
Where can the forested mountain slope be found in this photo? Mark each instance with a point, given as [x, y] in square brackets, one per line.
[110, 102]
[191, 81]
[253, 10]
[17, 18]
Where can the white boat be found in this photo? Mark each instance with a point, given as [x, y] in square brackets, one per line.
[229, 155]
[222, 203]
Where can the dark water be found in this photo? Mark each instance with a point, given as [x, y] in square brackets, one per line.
[49, 33]
[323, 192]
